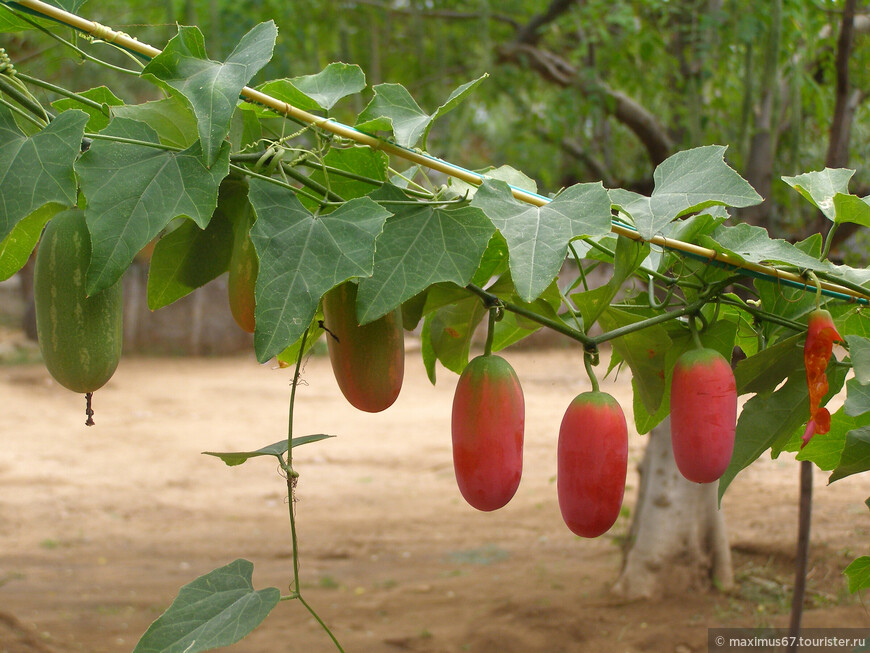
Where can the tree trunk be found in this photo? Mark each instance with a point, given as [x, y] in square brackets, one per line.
[677, 539]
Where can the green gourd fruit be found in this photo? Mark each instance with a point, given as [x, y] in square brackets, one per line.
[80, 336]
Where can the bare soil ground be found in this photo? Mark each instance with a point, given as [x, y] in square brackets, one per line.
[99, 527]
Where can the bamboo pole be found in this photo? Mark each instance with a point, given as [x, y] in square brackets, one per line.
[327, 124]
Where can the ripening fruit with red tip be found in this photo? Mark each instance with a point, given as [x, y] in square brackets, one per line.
[592, 463]
[487, 425]
[368, 361]
[703, 414]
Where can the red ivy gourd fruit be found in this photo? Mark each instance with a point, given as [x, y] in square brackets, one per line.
[821, 334]
[368, 361]
[487, 425]
[703, 414]
[592, 463]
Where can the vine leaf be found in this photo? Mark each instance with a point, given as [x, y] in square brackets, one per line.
[319, 91]
[856, 454]
[769, 366]
[858, 573]
[37, 170]
[133, 192]
[392, 109]
[98, 119]
[171, 118]
[362, 161]
[16, 248]
[505, 172]
[189, 257]
[302, 256]
[859, 352]
[212, 87]
[751, 243]
[537, 237]
[825, 450]
[277, 449]
[215, 610]
[450, 328]
[686, 182]
[770, 421]
[421, 245]
[821, 186]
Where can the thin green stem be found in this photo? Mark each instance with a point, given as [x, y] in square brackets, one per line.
[132, 141]
[829, 240]
[291, 474]
[558, 327]
[587, 361]
[307, 181]
[9, 89]
[763, 315]
[64, 92]
[292, 477]
[62, 40]
[22, 113]
[843, 282]
[272, 180]
[490, 331]
[320, 621]
[652, 321]
[693, 329]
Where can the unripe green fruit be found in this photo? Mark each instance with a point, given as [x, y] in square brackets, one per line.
[80, 337]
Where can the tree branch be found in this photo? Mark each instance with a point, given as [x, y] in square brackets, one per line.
[628, 111]
[530, 34]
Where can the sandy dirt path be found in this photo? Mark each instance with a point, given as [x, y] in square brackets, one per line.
[99, 527]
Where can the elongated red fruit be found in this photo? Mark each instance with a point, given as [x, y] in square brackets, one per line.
[592, 463]
[487, 425]
[244, 266]
[703, 414]
[368, 361]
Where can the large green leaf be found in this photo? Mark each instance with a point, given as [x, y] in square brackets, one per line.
[16, 248]
[37, 170]
[421, 245]
[302, 256]
[362, 161]
[453, 101]
[850, 208]
[627, 258]
[319, 91]
[826, 449]
[857, 398]
[217, 609]
[212, 87]
[450, 328]
[686, 182]
[392, 109]
[751, 243]
[764, 371]
[858, 573]
[189, 257]
[133, 192]
[98, 118]
[821, 186]
[856, 454]
[859, 352]
[644, 351]
[769, 421]
[538, 237]
[171, 118]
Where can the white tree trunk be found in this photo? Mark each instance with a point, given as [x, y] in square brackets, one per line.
[677, 538]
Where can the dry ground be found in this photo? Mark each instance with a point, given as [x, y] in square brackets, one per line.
[100, 526]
